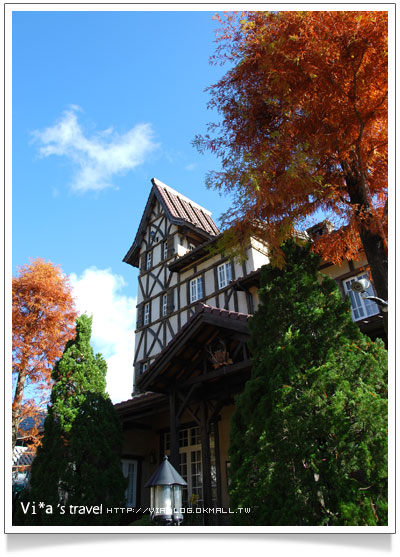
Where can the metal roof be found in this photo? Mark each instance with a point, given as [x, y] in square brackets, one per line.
[165, 475]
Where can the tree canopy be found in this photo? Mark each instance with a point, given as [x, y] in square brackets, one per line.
[43, 320]
[309, 434]
[303, 129]
[79, 461]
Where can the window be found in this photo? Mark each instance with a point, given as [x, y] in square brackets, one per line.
[196, 289]
[224, 274]
[167, 302]
[143, 367]
[169, 247]
[190, 463]
[360, 308]
[148, 260]
[129, 470]
[164, 305]
[146, 314]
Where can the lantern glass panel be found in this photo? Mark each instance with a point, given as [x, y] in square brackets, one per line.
[178, 516]
[152, 497]
[163, 500]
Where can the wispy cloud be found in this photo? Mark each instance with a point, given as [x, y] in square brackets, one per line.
[191, 166]
[99, 157]
[98, 292]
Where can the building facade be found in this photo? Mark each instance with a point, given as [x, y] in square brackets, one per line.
[191, 355]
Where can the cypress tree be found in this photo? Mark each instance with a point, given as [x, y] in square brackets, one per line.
[78, 463]
[309, 432]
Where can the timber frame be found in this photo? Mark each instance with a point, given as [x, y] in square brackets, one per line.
[191, 351]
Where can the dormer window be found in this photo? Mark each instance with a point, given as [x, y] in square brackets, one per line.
[224, 274]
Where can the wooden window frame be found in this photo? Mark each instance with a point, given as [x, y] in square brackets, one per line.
[149, 260]
[198, 281]
[164, 304]
[224, 277]
[146, 314]
[132, 479]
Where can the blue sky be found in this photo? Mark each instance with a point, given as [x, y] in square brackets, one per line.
[102, 102]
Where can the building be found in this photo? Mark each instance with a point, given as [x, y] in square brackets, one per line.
[191, 355]
[25, 449]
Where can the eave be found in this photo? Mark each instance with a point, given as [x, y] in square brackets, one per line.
[179, 357]
[180, 210]
[193, 256]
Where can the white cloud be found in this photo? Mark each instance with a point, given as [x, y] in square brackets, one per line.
[191, 166]
[100, 157]
[98, 292]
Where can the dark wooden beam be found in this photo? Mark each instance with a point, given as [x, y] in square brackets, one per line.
[236, 351]
[132, 424]
[206, 460]
[217, 466]
[215, 411]
[185, 400]
[220, 372]
[173, 431]
[198, 365]
[193, 413]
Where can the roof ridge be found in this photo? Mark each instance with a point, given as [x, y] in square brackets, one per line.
[179, 209]
[156, 182]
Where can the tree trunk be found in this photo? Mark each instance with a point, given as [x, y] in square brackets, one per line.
[16, 407]
[373, 243]
[378, 261]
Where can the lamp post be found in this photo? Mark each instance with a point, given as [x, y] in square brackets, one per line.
[166, 486]
[361, 287]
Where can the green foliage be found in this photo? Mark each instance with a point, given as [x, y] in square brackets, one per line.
[309, 432]
[75, 374]
[79, 462]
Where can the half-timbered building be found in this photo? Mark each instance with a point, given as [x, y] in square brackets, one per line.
[191, 354]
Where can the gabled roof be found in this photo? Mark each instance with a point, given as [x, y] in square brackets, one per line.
[185, 344]
[179, 209]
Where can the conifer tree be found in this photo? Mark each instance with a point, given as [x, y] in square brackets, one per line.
[309, 432]
[78, 463]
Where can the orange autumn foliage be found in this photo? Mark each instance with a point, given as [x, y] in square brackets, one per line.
[43, 319]
[303, 128]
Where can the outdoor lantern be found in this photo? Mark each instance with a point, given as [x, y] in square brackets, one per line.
[166, 486]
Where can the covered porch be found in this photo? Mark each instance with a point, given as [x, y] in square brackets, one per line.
[195, 379]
